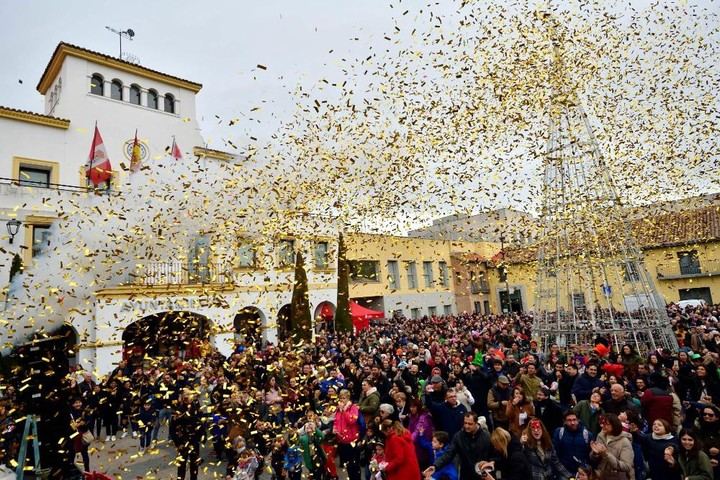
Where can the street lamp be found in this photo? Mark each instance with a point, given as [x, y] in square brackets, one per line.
[13, 226]
[504, 272]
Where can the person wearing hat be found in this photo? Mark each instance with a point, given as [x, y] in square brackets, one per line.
[497, 400]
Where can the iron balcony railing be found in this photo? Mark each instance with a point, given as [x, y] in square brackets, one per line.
[56, 186]
[181, 273]
[479, 286]
[673, 271]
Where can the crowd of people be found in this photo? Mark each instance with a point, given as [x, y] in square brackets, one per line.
[453, 397]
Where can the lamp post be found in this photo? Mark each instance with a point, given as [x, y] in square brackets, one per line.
[13, 226]
[504, 271]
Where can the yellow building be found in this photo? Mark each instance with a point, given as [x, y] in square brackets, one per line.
[681, 252]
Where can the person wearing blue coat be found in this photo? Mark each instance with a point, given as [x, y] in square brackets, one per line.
[654, 446]
[448, 415]
[440, 441]
[586, 383]
[572, 442]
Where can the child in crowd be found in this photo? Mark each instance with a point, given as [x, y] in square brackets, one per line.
[378, 463]
[146, 420]
[440, 441]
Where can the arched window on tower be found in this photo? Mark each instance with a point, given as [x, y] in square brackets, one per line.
[97, 84]
[134, 94]
[169, 103]
[116, 88]
[152, 99]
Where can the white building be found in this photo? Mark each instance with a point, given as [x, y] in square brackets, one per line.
[167, 239]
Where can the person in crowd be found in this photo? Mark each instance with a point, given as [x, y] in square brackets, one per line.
[547, 410]
[81, 428]
[146, 419]
[498, 400]
[565, 385]
[589, 413]
[619, 401]
[314, 458]
[110, 405]
[572, 442]
[540, 455]
[470, 446]
[654, 445]
[440, 444]
[586, 473]
[529, 380]
[448, 415]
[707, 427]
[612, 452]
[273, 398]
[421, 430]
[518, 411]
[346, 428]
[400, 460]
[689, 459]
[659, 402]
[464, 396]
[587, 383]
[370, 400]
[187, 433]
[510, 462]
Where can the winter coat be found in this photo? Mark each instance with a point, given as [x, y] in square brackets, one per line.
[550, 413]
[346, 426]
[446, 417]
[421, 431]
[494, 397]
[517, 414]
[370, 404]
[400, 457]
[312, 452]
[695, 467]
[584, 385]
[618, 464]
[654, 450]
[571, 445]
[449, 471]
[588, 417]
[657, 403]
[515, 466]
[470, 448]
[186, 427]
[547, 467]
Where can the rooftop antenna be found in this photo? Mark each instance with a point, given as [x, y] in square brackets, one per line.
[129, 34]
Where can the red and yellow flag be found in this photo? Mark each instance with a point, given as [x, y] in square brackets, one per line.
[136, 154]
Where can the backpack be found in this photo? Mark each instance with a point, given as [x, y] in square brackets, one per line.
[586, 434]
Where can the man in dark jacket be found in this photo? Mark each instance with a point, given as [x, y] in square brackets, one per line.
[448, 415]
[619, 402]
[547, 410]
[186, 431]
[471, 445]
[572, 442]
[565, 385]
[586, 383]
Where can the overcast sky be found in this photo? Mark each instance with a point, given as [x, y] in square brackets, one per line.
[218, 44]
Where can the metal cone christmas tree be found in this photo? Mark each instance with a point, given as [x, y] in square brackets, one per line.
[591, 281]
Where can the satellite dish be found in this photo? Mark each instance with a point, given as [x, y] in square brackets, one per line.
[130, 32]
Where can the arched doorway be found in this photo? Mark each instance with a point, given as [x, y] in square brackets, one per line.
[248, 325]
[324, 316]
[163, 334]
[283, 323]
[70, 341]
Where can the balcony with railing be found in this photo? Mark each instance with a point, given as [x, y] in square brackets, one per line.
[180, 273]
[675, 271]
[479, 286]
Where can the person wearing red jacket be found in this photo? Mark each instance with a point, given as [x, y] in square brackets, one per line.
[400, 460]
[657, 402]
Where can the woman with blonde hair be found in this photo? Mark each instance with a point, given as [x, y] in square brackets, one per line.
[510, 459]
[540, 454]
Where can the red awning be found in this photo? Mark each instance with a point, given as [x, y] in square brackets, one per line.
[361, 316]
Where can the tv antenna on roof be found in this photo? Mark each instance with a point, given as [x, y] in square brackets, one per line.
[129, 34]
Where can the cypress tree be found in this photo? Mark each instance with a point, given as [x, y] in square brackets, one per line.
[16, 267]
[343, 321]
[300, 318]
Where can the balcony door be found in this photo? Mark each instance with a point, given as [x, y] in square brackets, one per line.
[198, 260]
